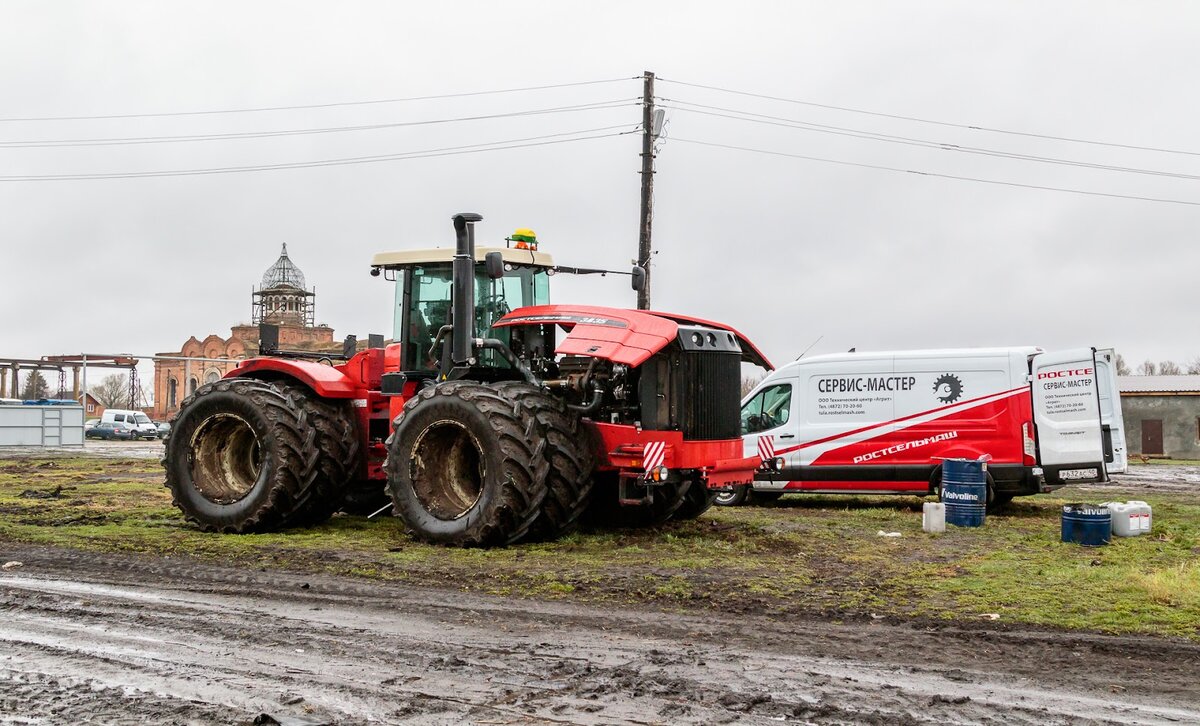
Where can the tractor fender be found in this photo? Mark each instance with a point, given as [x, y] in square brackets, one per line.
[325, 381]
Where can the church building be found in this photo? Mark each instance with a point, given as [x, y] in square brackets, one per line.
[282, 299]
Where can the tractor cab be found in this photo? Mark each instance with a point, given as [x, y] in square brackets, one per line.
[520, 277]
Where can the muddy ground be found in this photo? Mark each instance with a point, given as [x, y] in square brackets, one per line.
[92, 635]
[111, 638]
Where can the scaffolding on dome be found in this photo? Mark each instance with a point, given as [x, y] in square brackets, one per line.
[282, 297]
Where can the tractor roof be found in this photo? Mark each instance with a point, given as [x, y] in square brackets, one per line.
[407, 258]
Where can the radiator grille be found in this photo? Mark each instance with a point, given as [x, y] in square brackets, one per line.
[708, 386]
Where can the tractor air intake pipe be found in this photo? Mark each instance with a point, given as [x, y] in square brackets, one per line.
[463, 313]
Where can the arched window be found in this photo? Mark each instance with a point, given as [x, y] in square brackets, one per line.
[171, 393]
[211, 376]
[192, 385]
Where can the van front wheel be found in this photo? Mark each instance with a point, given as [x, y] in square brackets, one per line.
[734, 498]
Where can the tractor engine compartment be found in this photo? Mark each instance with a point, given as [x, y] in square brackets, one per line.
[691, 386]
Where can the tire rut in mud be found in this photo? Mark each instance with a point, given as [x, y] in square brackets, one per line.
[342, 646]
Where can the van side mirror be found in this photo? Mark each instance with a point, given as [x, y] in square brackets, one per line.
[493, 262]
[638, 278]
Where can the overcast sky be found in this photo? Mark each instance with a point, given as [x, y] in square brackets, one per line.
[788, 250]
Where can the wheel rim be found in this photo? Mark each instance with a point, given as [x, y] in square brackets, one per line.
[447, 469]
[726, 498]
[226, 458]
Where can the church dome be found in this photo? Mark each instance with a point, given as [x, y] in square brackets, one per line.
[283, 272]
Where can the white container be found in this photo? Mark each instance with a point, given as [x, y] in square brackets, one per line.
[1129, 519]
[933, 517]
[1145, 515]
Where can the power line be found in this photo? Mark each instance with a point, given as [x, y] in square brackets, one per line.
[738, 115]
[121, 141]
[916, 119]
[934, 174]
[543, 140]
[320, 105]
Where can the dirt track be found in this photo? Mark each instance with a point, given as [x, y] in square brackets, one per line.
[120, 639]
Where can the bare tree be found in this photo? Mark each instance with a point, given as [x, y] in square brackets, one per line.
[1169, 368]
[749, 382]
[112, 391]
[1123, 367]
[1147, 368]
[35, 387]
[1194, 367]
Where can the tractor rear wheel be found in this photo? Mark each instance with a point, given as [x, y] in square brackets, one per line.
[466, 466]
[571, 454]
[246, 455]
[696, 501]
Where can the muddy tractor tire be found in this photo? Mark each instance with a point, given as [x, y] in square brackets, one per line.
[246, 455]
[571, 454]
[466, 466]
[696, 502]
[606, 512]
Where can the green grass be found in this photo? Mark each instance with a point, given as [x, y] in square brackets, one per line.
[807, 555]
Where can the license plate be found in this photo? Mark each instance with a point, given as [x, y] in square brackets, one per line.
[1078, 474]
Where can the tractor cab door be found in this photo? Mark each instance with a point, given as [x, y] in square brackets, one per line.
[424, 303]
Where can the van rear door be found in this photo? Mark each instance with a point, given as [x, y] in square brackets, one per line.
[1066, 412]
[1112, 422]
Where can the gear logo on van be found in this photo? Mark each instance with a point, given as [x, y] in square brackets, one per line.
[948, 388]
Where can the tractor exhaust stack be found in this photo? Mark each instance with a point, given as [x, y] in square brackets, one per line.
[463, 315]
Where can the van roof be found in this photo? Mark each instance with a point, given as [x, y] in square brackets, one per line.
[996, 352]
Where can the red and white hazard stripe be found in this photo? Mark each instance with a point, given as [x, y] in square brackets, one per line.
[766, 447]
[654, 454]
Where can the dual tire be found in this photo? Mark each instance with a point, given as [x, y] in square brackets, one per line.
[479, 465]
[246, 455]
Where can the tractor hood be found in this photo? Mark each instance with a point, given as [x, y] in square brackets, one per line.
[622, 336]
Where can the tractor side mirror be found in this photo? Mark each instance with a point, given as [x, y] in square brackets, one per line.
[493, 262]
[638, 278]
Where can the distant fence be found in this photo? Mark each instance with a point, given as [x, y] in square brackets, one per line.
[22, 425]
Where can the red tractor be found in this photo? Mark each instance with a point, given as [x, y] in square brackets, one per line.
[564, 412]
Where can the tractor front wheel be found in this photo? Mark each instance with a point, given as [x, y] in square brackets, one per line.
[696, 501]
[466, 466]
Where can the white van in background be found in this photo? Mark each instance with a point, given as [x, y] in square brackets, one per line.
[879, 422]
[137, 422]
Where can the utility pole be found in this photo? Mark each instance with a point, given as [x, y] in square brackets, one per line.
[647, 216]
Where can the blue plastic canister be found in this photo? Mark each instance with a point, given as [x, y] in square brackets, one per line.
[964, 491]
[1087, 524]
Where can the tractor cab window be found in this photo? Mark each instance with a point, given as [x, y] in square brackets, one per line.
[769, 409]
[424, 303]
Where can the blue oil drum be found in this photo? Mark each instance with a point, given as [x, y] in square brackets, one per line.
[964, 491]
[1086, 524]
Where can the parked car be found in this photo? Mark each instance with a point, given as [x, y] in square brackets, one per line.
[136, 421]
[164, 428]
[90, 424]
[109, 431]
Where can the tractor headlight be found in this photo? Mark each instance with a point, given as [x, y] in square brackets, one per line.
[777, 463]
[659, 474]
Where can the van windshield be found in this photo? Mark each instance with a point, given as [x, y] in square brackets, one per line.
[141, 418]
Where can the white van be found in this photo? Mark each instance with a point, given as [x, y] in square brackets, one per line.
[881, 422]
[138, 422]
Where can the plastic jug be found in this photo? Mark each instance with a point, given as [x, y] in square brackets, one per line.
[1129, 519]
[1144, 514]
[933, 517]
